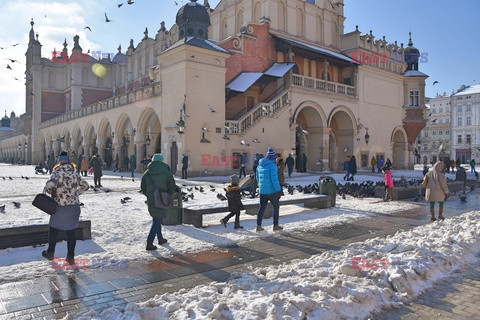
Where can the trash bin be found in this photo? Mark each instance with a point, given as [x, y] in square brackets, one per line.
[461, 175]
[328, 186]
[175, 212]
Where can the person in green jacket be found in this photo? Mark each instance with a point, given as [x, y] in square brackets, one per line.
[158, 175]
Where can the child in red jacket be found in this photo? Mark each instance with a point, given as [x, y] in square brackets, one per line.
[388, 184]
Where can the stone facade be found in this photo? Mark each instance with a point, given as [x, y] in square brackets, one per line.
[264, 79]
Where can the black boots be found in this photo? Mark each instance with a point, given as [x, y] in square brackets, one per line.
[48, 255]
[151, 246]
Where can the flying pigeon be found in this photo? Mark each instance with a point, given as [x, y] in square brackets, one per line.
[87, 27]
[8, 67]
[120, 4]
[212, 110]
[14, 45]
[130, 2]
[12, 60]
[106, 18]
[435, 82]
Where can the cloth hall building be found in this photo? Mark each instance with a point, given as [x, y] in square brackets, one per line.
[226, 81]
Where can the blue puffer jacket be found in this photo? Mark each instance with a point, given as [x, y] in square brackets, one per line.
[267, 177]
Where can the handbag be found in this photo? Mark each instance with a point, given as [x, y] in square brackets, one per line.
[45, 203]
[161, 199]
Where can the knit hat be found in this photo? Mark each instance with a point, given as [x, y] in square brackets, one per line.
[271, 154]
[63, 157]
[234, 179]
[157, 157]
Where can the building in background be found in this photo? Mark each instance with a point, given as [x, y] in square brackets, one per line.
[465, 108]
[434, 141]
[232, 80]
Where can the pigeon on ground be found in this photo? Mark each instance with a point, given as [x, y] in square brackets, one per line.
[191, 195]
[463, 198]
[123, 201]
[344, 197]
[16, 204]
[2, 209]
[189, 189]
[81, 204]
[127, 198]
[10, 178]
[26, 178]
[417, 197]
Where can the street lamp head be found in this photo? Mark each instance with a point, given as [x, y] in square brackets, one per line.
[147, 141]
[367, 137]
[181, 126]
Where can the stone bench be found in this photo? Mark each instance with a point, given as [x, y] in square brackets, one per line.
[38, 234]
[400, 193]
[194, 216]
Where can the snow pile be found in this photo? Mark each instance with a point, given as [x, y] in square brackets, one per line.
[326, 286]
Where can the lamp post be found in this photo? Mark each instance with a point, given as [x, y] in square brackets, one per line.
[181, 124]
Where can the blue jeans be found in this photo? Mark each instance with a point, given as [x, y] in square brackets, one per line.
[274, 198]
[155, 230]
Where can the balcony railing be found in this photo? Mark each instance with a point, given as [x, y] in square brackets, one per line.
[263, 110]
[322, 85]
[146, 92]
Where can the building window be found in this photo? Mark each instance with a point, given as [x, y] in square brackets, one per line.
[440, 132]
[434, 111]
[425, 134]
[459, 109]
[469, 139]
[459, 121]
[459, 138]
[414, 98]
[440, 110]
[447, 132]
[447, 120]
[448, 109]
[469, 121]
[469, 109]
[434, 133]
[425, 147]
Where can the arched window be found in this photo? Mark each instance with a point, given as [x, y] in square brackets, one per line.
[238, 20]
[257, 11]
[319, 30]
[282, 20]
[300, 23]
[223, 28]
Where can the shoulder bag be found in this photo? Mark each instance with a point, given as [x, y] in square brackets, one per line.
[45, 203]
[162, 199]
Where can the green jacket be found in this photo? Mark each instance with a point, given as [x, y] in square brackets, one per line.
[157, 173]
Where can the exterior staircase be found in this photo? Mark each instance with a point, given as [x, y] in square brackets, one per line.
[262, 110]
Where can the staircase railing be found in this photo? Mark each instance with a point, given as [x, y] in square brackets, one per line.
[262, 110]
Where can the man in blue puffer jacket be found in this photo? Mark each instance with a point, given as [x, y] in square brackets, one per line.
[269, 188]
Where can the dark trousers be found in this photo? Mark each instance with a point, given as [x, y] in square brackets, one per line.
[290, 170]
[274, 198]
[96, 180]
[155, 230]
[184, 173]
[71, 241]
[231, 214]
[242, 170]
[373, 169]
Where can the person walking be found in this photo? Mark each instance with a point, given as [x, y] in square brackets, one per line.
[133, 164]
[243, 161]
[116, 163]
[388, 163]
[304, 163]
[184, 166]
[158, 175]
[97, 165]
[84, 167]
[79, 163]
[269, 189]
[453, 165]
[234, 202]
[387, 176]
[447, 165]
[353, 167]
[255, 162]
[50, 163]
[373, 163]
[436, 189]
[65, 185]
[380, 163]
[346, 167]
[472, 166]
[290, 164]
[280, 169]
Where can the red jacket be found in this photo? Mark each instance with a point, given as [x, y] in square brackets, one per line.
[388, 179]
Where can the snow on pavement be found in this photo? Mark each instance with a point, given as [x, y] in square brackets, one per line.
[325, 286]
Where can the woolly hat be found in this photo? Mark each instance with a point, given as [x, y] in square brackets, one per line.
[271, 154]
[157, 157]
[234, 179]
[63, 157]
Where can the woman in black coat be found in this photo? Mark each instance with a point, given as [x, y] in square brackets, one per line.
[353, 167]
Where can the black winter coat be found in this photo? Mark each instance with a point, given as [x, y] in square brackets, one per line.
[234, 199]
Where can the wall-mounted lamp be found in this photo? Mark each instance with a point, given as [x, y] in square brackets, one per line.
[113, 134]
[367, 136]
[181, 124]
[204, 140]
[147, 141]
[19, 146]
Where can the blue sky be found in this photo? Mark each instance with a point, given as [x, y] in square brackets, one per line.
[447, 31]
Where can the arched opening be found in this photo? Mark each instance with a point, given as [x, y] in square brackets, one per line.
[342, 129]
[398, 152]
[282, 21]
[238, 20]
[319, 30]
[223, 28]
[308, 139]
[300, 23]
[257, 11]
